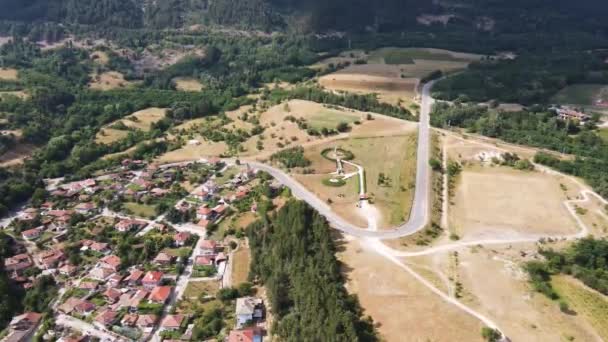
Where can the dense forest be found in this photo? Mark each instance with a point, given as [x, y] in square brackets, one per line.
[536, 127]
[586, 260]
[293, 254]
[527, 79]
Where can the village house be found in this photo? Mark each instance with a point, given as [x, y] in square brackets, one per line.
[112, 295]
[207, 247]
[32, 234]
[172, 322]
[129, 320]
[128, 224]
[152, 279]
[110, 261]
[201, 194]
[160, 294]
[115, 280]
[101, 273]
[106, 318]
[204, 260]
[567, 113]
[23, 326]
[135, 277]
[88, 285]
[158, 192]
[85, 208]
[248, 310]
[210, 187]
[181, 238]
[246, 335]
[17, 263]
[68, 270]
[50, 259]
[146, 322]
[137, 298]
[78, 306]
[163, 259]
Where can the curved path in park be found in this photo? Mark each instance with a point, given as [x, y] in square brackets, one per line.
[419, 215]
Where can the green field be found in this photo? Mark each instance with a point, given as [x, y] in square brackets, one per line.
[588, 303]
[408, 55]
[603, 133]
[330, 119]
[141, 210]
[581, 94]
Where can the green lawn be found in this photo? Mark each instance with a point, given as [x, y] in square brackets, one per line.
[581, 94]
[408, 55]
[586, 302]
[603, 133]
[330, 119]
[141, 210]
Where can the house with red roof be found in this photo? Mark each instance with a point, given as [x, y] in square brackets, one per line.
[204, 260]
[160, 294]
[85, 208]
[32, 234]
[152, 279]
[112, 295]
[163, 259]
[135, 277]
[172, 322]
[146, 322]
[106, 318]
[208, 247]
[181, 238]
[101, 273]
[17, 263]
[126, 225]
[110, 261]
[246, 335]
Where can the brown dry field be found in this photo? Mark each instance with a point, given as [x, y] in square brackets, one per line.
[100, 57]
[403, 308]
[145, 119]
[187, 84]
[497, 286]
[9, 74]
[491, 201]
[595, 216]
[108, 80]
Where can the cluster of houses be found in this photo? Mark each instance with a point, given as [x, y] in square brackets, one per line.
[101, 290]
[570, 114]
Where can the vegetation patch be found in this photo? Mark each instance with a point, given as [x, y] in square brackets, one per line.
[335, 182]
[333, 153]
[590, 304]
[292, 157]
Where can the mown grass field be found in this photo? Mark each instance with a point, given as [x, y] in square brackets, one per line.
[409, 55]
[588, 303]
[240, 266]
[330, 119]
[581, 94]
[141, 210]
[196, 288]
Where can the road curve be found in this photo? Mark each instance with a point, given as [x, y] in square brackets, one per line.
[420, 209]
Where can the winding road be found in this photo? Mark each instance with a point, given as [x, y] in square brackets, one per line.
[420, 208]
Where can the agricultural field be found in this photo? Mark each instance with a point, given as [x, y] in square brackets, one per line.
[140, 120]
[582, 94]
[411, 55]
[195, 288]
[108, 80]
[9, 74]
[187, 84]
[141, 210]
[502, 201]
[586, 302]
[240, 264]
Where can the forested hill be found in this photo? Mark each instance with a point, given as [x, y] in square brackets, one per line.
[489, 16]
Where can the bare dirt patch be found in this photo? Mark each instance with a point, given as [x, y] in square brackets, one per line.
[500, 200]
[8, 74]
[16, 155]
[108, 80]
[505, 295]
[399, 304]
[100, 57]
[187, 84]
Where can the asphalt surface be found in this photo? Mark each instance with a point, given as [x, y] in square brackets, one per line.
[420, 209]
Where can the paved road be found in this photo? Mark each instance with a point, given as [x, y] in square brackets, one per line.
[420, 209]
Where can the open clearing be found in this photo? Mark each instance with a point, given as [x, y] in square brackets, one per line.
[499, 201]
[590, 304]
[100, 57]
[8, 74]
[141, 210]
[108, 80]
[140, 120]
[196, 288]
[410, 55]
[494, 283]
[187, 84]
[240, 264]
[16, 155]
[582, 94]
[17, 93]
[402, 307]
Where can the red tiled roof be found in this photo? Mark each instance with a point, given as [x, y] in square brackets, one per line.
[160, 294]
[153, 276]
[111, 260]
[173, 321]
